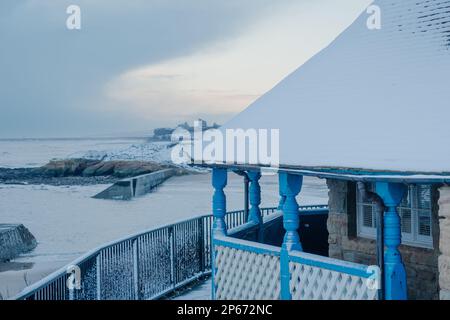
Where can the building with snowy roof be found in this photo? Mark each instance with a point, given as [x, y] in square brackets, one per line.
[369, 113]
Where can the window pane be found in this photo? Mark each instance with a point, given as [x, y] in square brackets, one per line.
[423, 197]
[424, 224]
[404, 210]
[423, 209]
[374, 216]
[414, 211]
[405, 215]
[406, 201]
[368, 216]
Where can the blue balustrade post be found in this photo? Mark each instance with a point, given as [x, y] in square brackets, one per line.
[219, 207]
[394, 270]
[255, 201]
[291, 185]
[219, 203]
[282, 192]
[246, 203]
[291, 217]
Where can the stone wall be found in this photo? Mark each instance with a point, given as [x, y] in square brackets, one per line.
[128, 188]
[421, 264]
[444, 242]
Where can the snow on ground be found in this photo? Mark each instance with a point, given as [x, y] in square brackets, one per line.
[148, 151]
[200, 292]
[24, 153]
[67, 222]
[33, 153]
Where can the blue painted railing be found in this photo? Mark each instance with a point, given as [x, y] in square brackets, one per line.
[284, 274]
[307, 277]
[331, 264]
[146, 265]
[249, 246]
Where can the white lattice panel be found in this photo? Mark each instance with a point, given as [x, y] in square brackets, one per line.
[245, 275]
[313, 283]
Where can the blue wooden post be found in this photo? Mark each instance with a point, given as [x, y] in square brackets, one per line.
[282, 192]
[291, 185]
[255, 201]
[291, 217]
[219, 203]
[394, 269]
[219, 207]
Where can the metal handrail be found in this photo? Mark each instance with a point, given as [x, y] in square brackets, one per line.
[144, 265]
[88, 255]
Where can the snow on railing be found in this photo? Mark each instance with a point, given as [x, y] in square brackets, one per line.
[147, 265]
[321, 278]
[245, 270]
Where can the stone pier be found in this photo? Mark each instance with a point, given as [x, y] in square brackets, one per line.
[129, 188]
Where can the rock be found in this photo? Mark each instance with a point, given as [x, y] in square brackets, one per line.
[123, 169]
[337, 196]
[82, 172]
[91, 168]
[15, 239]
[100, 169]
[444, 295]
[65, 168]
[444, 202]
[444, 272]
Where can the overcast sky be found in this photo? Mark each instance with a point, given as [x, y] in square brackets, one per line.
[139, 64]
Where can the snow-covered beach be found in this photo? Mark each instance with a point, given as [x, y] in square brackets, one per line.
[67, 222]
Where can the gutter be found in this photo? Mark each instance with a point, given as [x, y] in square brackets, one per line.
[379, 208]
[246, 185]
[346, 175]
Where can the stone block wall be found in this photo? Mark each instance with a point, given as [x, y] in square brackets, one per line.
[444, 243]
[128, 188]
[421, 264]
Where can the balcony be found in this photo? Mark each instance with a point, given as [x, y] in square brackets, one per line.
[248, 269]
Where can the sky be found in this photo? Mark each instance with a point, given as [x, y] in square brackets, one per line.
[136, 65]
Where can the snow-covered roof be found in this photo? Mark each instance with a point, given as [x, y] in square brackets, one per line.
[373, 99]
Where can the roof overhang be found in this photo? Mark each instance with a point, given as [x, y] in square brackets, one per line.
[348, 174]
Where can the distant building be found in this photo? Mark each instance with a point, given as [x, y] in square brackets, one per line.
[164, 134]
[203, 124]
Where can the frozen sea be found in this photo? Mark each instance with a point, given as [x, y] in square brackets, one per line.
[67, 222]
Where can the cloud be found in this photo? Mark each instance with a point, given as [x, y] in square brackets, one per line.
[56, 82]
[50, 75]
[228, 76]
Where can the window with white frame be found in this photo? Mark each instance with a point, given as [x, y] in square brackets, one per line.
[414, 211]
